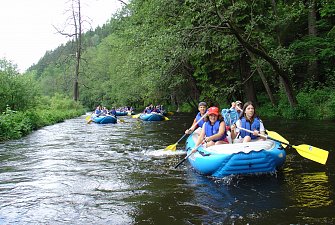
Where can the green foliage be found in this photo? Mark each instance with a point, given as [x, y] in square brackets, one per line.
[16, 90]
[181, 52]
[313, 104]
[15, 124]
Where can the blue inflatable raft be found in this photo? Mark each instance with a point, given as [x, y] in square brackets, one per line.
[121, 113]
[104, 119]
[152, 117]
[241, 158]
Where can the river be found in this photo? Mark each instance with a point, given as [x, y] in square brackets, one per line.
[79, 173]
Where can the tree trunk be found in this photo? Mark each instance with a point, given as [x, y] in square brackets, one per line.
[264, 80]
[282, 73]
[77, 27]
[78, 31]
[274, 64]
[248, 84]
[312, 69]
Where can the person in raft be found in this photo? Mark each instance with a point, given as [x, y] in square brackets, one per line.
[213, 132]
[248, 120]
[202, 107]
[98, 110]
[237, 106]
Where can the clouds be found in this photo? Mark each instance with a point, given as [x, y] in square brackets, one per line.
[27, 30]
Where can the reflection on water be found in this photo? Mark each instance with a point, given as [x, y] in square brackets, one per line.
[311, 190]
[79, 173]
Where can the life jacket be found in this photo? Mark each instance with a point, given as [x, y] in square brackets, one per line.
[97, 111]
[254, 126]
[212, 130]
[197, 118]
[113, 112]
[156, 110]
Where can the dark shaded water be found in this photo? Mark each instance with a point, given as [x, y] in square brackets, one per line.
[75, 173]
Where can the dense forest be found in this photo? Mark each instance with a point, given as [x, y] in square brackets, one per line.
[279, 54]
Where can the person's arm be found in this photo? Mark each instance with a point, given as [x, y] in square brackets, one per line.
[234, 130]
[192, 128]
[259, 132]
[200, 138]
[262, 130]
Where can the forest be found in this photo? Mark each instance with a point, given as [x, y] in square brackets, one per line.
[279, 54]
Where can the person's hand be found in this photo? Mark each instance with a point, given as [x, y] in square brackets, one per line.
[188, 131]
[255, 133]
[232, 127]
[207, 139]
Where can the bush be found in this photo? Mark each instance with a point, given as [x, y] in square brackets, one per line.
[15, 124]
[315, 104]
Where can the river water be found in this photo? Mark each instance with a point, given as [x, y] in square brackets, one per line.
[79, 173]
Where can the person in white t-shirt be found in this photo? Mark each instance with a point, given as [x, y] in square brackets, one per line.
[250, 121]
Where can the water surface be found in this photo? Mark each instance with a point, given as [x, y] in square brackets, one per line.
[79, 173]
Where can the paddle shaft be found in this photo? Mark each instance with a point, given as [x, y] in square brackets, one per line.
[192, 127]
[180, 138]
[186, 157]
[173, 146]
[266, 136]
[183, 160]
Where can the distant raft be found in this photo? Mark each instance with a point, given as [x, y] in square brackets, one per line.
[152, 117]
[121, 113]
[104, 119]
[241, 158]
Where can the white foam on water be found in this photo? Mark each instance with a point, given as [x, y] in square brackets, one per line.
[164, 153]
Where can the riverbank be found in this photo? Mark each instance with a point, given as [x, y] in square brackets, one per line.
[16, 124]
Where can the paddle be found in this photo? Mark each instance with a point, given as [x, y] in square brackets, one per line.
[186, 157]
[136, 116]
[307, 151]
[89, 118]
[173, 147]
[277, 136]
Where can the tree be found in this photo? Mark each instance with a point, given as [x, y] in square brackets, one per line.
[75, 21]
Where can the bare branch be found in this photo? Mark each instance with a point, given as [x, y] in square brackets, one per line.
[123, 2]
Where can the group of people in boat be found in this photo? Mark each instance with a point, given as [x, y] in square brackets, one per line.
[103, 111]
[214, 130]
[154, 109]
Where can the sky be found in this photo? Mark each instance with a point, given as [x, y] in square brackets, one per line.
[26, 26]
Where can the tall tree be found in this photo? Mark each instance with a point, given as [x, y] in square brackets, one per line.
[312, 70]
[75, 21]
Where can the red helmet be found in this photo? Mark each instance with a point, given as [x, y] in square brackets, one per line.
[213, 110]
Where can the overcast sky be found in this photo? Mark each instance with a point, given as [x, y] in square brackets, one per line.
[27, 30]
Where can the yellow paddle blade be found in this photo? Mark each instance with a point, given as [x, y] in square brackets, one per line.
[136, 116]
[88, 117]
[170, 113]
[171, 147]
[165, 118]
[313, 153]
[277, 136]
[122, 120]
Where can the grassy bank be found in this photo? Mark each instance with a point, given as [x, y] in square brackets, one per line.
[16, 124]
